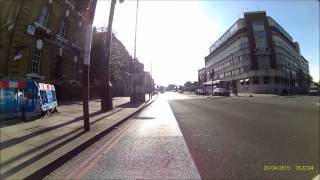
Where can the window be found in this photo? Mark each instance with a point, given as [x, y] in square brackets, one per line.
[266, 79]
[259, 34]
[44, 15]
[284, 80]
[62, 27]
[255, 80]
[258, 26]
[277, 80]
[35, 61]
[261, 45]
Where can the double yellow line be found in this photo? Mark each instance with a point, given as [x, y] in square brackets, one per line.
[85, 166]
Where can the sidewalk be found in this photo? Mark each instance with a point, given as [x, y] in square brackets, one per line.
[31, 149]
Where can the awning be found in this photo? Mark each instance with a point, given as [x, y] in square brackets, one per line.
[241, 80]
[246, 80]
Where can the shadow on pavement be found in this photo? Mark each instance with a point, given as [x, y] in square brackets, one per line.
[39, 156]
[45, 153]
[130, 105]
[218, 97]
[10, 122]
[18, 140]
[290, 97]
[145, 118]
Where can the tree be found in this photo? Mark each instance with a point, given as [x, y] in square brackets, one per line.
[301, 77]
[188, 85]
[309, 80]
[119, 64]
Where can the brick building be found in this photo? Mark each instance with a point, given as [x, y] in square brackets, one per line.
[40, 41]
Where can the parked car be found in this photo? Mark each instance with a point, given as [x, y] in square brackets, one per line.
[314, 90]
[181, 91]
[221, 92]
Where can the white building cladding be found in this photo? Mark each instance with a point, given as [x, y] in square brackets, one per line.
[256, 55]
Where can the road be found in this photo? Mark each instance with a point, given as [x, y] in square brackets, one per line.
[211, 138]
[236, 137]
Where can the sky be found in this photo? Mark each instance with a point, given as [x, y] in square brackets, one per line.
[175, 36]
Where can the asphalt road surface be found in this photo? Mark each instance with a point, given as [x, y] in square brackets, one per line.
[263, 137]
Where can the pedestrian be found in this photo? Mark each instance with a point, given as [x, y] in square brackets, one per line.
[235, 92]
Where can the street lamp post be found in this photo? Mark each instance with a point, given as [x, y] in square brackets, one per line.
[89, 14]
[133, 96]
[290, 74]
[106, 99]
[212, 76]
[233, 78]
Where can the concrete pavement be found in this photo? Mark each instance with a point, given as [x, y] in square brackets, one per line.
[147, 146]
[32, 148]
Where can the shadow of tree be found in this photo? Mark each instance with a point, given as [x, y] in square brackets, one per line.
[130, 105]
[14, 141]
[17, 168]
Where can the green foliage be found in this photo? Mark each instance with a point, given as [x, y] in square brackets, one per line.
[118, 65]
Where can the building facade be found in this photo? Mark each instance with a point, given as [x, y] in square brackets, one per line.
[257, 55]
[40, 40]
[202, 77]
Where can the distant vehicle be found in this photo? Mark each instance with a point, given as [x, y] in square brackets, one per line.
[314, 90]
[155, 92]
[181, 91]
[200, 92]
[161, 89]
[221, 92]
[26, 99]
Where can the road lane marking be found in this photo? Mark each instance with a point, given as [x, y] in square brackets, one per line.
[84, 167]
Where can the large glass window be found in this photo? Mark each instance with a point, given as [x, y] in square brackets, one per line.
[261, 44]
[259, 34]
[44, 15]
[255, 80]
[277, 80]
[266, 79]
[35, 61]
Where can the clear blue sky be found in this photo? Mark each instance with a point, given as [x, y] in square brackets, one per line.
[299, 18]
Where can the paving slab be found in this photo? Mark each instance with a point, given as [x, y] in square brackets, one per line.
[28, 149]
